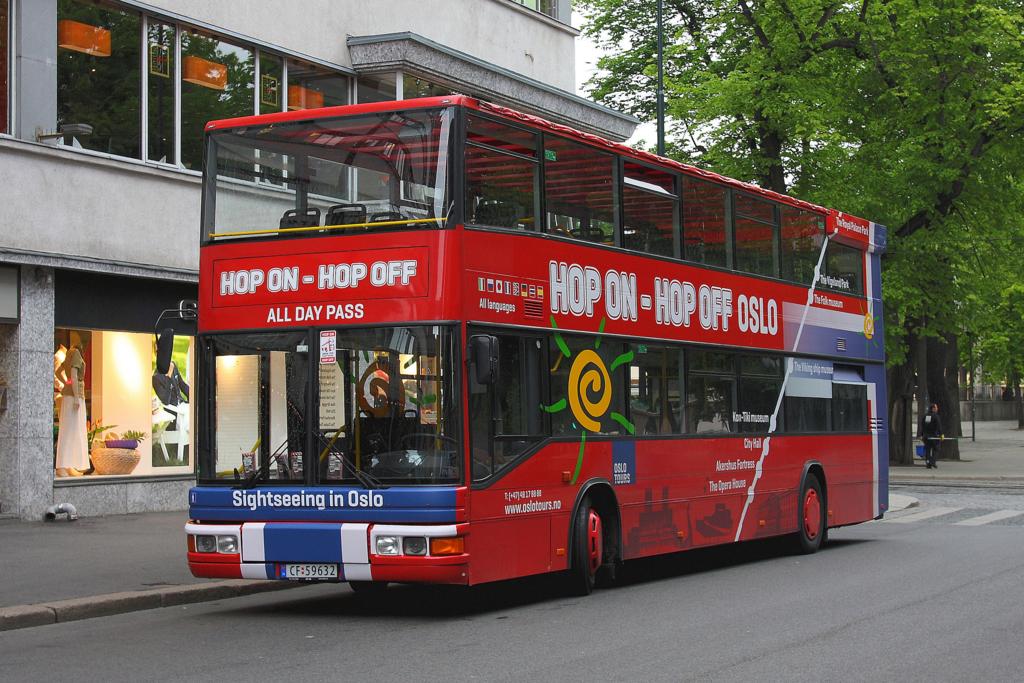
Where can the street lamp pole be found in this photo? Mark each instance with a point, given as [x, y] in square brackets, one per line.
[661, 85]
[973, 426]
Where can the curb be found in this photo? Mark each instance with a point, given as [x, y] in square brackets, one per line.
[74, 609]
[961, 482]
[898, 502]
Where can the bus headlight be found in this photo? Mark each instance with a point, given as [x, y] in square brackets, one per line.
[227, 545]
[206, 544]
[387, 545]
[414, 545]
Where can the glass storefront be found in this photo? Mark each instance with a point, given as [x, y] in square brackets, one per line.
[114, 414]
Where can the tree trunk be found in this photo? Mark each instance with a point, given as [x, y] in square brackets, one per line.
[944, 388]
[901, 420]
[1019, 396]
[919, 352]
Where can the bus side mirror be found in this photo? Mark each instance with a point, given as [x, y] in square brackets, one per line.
[164, 347]
[483, 356]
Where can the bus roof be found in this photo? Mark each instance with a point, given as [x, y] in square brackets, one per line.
[507, 113]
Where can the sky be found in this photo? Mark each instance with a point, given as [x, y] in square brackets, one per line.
[587, 54]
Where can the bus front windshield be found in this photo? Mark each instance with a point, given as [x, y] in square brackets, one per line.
[385, 171]
[383, 407]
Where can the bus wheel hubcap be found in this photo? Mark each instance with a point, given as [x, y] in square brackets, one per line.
[593, 541]
[812, 514]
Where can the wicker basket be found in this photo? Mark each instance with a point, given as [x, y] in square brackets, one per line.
[115, 460]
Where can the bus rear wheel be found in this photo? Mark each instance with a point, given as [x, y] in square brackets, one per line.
[811, 517]
[587, 550]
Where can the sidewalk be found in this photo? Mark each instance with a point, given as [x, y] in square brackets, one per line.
[63, 571]
[995, 458]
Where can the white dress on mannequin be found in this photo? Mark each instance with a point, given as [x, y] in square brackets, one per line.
[72, 449]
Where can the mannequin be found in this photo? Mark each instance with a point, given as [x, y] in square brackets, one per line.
[59, 378]
[72, 449]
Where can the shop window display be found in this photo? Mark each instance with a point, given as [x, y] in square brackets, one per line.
[114, 414]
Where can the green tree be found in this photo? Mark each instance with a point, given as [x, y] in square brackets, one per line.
[905, 112]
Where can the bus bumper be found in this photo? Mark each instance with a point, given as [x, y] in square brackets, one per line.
[263, 550]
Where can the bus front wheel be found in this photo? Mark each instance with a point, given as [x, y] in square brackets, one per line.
[811, 517]
[587, 550]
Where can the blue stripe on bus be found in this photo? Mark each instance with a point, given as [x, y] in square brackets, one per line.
[396, 505]
[302, 543]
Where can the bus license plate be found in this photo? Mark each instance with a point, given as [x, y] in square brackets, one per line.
[302, 572]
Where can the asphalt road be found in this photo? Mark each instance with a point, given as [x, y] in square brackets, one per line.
[907, 601]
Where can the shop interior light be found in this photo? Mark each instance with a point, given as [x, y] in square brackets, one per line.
[199, 71]
[91, 40]
[300, 97]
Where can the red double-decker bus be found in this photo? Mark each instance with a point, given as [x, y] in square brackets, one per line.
[443, 341]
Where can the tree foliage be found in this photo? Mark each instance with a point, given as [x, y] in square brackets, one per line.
[906, 112]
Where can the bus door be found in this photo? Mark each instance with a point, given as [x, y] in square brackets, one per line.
[510, 537]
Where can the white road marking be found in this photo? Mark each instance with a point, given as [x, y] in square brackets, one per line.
[924, 514]
[990, 517]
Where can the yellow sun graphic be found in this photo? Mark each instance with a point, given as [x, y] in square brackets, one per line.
[589, 390]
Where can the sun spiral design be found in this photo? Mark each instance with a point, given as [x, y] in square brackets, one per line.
[374, 391]
[869, 325]
[590, 389]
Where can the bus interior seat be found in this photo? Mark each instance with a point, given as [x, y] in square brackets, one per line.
[496, 213]
[300, 218]
[590, 233]
[345, 214]
[386, 216]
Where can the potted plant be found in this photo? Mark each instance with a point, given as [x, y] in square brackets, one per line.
[130, 439]
[95, 429]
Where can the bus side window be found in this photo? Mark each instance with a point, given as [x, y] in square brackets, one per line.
[578, 191]
[710, 392]
[656, 398]
[505, 417]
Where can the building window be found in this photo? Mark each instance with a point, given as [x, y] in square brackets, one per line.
[378, 88]
[104, 63]
[270, 88]
[114, 413]
[216, 83]
[312, 88]
[5, 48]
[160, 61]
[98, 76]
[547, 7]
[413, 87]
